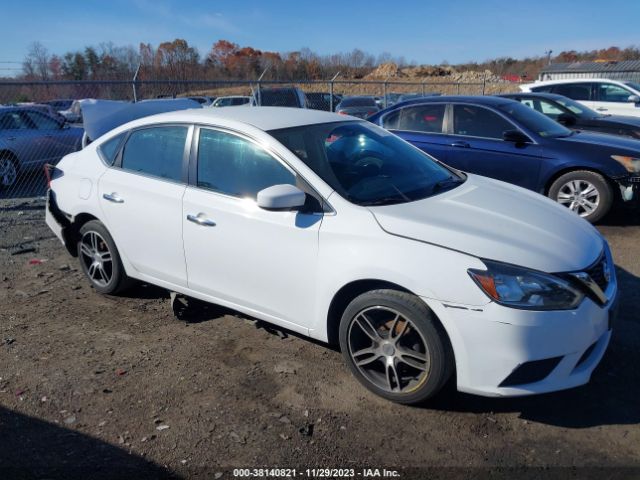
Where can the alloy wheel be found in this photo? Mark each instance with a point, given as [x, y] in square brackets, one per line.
[579, 196]
[8, 172]
[96, 258]
[388, 350]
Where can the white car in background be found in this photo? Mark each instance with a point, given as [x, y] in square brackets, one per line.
[611, 97]
[339, 230]
[231, 101]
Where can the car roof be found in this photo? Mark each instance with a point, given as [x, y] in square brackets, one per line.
[264, 118]
[571, 80]
[477, 99]
[550, 96]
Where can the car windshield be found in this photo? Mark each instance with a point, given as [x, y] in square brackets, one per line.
[634, 85]
[366, 164]
[358, 102]
[534, 121]
[577, 108]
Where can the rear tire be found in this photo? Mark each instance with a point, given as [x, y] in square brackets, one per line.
[100, 260]
[584, 192]
[8, 171]
[394, 345]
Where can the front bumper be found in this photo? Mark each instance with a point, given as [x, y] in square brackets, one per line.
[629, 188]
[496, 347]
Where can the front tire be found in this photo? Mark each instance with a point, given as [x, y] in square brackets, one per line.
[584, 192]
[8, 171]
[395, 347]
[100, 260]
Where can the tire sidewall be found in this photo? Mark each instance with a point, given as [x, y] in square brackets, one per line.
[118, 276]
[13, 162]
[440, 357]
[597, 180]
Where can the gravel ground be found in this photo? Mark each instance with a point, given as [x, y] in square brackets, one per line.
[117, 387]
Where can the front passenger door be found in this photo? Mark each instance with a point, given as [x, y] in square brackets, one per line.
[241, 255]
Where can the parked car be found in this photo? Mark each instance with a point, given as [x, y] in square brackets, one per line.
[576, 116]
[601, 94]
[503, 139]
[231, 101]
[357, 106]
[44, 108]
[412, 267]
[202, 100]
[29, 139]
[322, 101]
[60, 104]
[74, 113]
[279, 97]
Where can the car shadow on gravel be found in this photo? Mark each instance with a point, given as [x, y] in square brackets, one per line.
[34, 449]
[622, 216]
[610, 398]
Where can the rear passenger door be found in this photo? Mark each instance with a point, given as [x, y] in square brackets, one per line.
[421, 125]
[477, 147]
[141, 197]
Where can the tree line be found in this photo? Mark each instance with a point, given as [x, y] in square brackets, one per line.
[177, 60]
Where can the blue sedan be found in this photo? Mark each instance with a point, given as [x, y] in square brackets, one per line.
[503, 139]
[29, 139]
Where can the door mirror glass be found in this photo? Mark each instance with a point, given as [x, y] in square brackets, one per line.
[566, 119]
[515, 136]
[281, 197]
[633, 99]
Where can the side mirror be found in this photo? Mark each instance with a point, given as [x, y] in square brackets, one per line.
[633, 99]
[515, 136]
[281, 197]
[566, 119]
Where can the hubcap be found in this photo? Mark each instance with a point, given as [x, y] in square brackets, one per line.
[8, 173]
[388, 350]
[580, 196]
[96, 257]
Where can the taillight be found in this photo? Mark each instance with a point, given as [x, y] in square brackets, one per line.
[342, 112]
[51, 172]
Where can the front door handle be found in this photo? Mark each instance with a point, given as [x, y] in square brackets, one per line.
[113, 197]
[200, 219]
[460, 144]
[602, 109]
[11, 138]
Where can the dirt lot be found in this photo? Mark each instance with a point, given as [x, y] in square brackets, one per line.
[116, 387]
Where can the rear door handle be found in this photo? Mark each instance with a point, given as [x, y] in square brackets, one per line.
[113, 197]
[11, 138]
[200, 219]
[460, 144]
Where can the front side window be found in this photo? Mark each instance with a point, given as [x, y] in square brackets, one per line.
[474, 121]
[421, 118]
[608, 92]
[157, 151]
[234, 166]
[366, 164]
[13, 121]
[42, 122]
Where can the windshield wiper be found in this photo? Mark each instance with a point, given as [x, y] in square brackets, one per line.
[446, 184]
[384, 201]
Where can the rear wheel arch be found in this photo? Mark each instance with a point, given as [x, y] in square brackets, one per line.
[72, 233]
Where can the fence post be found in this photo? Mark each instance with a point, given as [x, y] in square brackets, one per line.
[133, 84]
[422, 87]
[331, 105]
[457, 88]
[484, 83]
[384, 92]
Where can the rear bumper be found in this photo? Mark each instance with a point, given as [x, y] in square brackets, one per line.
[55, 218]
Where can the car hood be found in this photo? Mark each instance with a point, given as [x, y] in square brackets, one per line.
[632, 121]
[603, 140]
[498, 221]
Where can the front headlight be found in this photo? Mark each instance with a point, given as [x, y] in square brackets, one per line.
[518, 287]
[632, 164]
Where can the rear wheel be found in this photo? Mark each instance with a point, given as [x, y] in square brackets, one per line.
[395, 347]
[584, 192]
[99, 259]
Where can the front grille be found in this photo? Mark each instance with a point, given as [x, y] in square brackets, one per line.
[634, 179]
[597, 274]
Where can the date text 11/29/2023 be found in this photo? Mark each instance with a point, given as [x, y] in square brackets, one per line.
[315, 473]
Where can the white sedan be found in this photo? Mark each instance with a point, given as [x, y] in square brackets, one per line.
[332, 227]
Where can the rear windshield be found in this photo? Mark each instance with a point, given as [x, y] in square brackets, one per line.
[534, 121]
[278, 98]
[359, 102]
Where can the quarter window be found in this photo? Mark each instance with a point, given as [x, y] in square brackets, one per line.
[109, 149]
[234, 166]
[157, 151]
[608, 92]
[475, 121]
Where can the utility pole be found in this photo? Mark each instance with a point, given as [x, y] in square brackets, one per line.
[548, 54]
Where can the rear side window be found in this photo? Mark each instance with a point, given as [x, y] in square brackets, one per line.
[234, 166]
[42, 122]
[474, 121]
[109, 149]
[546, 89]
[157, 151]
[423, 118]
[576, 91]
[13, 121]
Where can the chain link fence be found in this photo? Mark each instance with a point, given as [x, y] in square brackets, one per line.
[43, 123]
